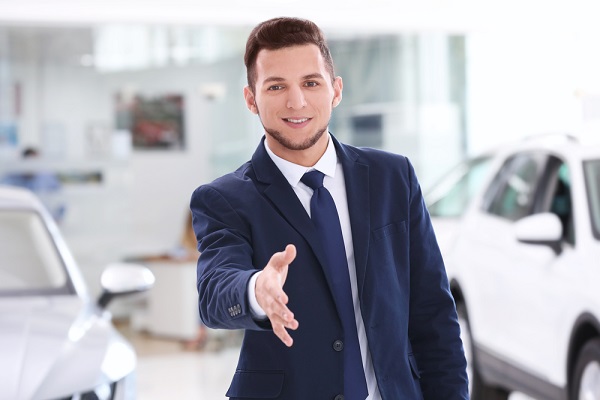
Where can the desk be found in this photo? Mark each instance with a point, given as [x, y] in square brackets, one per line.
[172, 304]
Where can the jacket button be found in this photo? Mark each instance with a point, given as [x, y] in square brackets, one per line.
[338, 345]
[339, 397]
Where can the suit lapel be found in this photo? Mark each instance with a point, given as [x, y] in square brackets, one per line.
[278, 190]
[356, 176]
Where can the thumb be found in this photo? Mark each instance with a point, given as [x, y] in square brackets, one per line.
[289, 254]
[282, 259]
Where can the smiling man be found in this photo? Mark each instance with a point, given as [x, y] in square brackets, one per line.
[322, 252]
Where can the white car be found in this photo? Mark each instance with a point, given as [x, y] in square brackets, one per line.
[56, 342]
[519, 230]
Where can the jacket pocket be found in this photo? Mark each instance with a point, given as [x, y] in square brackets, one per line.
[256, 384]
[388, 230]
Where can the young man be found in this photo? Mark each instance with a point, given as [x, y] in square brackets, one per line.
[340, 288]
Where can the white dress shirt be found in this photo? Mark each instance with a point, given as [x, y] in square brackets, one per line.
[334, 182]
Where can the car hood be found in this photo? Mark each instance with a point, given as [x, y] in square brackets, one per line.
[52, 347]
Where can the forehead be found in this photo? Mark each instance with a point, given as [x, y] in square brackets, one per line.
[290, 62]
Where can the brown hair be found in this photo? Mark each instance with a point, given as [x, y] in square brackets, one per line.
[278, 33]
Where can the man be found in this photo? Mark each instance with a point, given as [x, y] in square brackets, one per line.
[269, 254]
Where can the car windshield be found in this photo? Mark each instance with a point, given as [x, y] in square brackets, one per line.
[452, 194]
[29, 260]
[592, 178]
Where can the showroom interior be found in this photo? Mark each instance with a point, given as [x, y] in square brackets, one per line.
[90, 84]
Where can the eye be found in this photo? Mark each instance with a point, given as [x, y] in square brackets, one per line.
[311, 84]
[275, 87]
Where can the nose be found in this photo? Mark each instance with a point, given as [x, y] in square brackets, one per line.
[295, 98]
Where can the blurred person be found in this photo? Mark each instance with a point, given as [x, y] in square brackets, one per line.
[322, 252]
[45, 184]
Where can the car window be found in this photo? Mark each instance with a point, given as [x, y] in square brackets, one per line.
[511, 194]
[555, 196]
[592, 182]
[452, 194]
[29, 259]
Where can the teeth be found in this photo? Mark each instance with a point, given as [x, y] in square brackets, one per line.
[297, 121]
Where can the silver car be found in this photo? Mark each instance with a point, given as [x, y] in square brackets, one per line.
[55, 341]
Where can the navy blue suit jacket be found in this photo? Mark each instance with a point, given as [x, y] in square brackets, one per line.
[243, 218]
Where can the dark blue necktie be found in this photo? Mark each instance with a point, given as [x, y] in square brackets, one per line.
[325, 218]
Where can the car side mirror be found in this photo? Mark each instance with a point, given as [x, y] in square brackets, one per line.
[119, 279]
[541, 229]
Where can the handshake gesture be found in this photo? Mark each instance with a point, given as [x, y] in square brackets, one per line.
[271, 297]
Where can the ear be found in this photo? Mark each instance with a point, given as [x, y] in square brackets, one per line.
[338, 86]
[250, 100]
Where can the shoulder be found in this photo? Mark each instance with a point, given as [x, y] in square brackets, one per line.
[378, 159]
[233, 184]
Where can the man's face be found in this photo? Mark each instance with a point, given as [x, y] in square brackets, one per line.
[294, 97]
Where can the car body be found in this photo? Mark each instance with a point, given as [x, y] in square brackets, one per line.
[55, 341]
[519, 229]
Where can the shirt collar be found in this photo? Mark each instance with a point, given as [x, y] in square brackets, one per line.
[294, 172]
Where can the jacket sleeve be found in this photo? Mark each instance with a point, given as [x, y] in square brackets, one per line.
[434, 332]
[225, 263]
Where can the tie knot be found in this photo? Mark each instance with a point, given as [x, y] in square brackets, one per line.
[313, 179]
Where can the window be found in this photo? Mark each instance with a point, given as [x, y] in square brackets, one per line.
[511, 194]
[592, 182]
[558, 188]
[453, 194]
[30, 260]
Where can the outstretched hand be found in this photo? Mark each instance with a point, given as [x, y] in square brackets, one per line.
[271, 297]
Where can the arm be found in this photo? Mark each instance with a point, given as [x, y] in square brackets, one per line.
[225, 270]
[433, 326]
[225, 263]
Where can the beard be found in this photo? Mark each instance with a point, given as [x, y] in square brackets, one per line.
[290, 145]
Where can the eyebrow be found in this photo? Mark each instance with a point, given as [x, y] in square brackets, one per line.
[315, 75]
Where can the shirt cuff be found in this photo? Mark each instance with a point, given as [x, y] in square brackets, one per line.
[257, 312]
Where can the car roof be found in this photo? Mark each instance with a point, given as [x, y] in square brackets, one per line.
[561, 145]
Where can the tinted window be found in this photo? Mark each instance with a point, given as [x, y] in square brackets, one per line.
[452, 195]
[592, 182]
[512, 193]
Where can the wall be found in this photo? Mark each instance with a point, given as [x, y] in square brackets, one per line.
[525, 83]
[141, 205]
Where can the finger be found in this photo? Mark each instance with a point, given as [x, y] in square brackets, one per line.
[283, 335]
[289, 253]
[283, 258]
[285, 317]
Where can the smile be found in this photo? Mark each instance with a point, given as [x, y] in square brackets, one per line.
[296, 121]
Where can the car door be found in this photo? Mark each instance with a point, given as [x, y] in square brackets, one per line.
[496, 284]
[548, 313]
[518, 289]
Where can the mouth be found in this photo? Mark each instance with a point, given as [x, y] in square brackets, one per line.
[296, 120]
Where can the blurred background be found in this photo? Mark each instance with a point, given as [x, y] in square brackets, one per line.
[134, 104]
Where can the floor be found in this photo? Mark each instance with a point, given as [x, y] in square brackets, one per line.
[168, 369]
